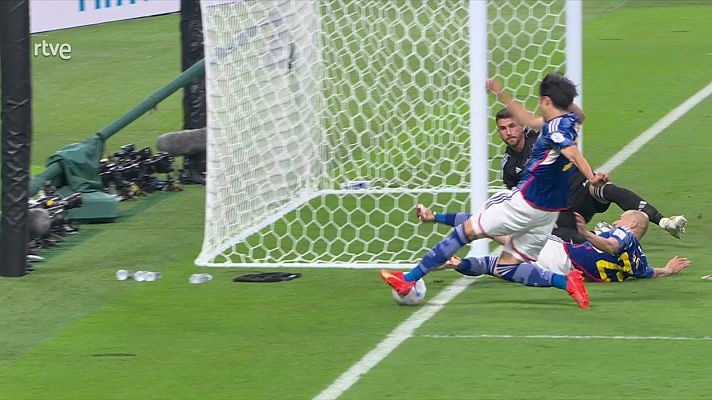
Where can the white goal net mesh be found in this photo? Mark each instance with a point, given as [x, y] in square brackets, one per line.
[328, 121]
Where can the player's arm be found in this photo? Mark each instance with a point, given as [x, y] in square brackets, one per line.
[576, 110]
[575, 156]
[520, 113]
[607, 245]
[675, 265]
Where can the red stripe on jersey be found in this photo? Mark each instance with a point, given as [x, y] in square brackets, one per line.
[479, 223]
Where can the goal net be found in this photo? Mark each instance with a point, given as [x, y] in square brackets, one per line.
[328, 121]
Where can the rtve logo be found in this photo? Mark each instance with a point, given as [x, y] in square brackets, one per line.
[98, 4]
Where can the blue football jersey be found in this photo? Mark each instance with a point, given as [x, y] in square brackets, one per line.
[629, 262]
[545, 183]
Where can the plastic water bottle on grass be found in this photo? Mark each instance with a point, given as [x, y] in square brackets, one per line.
[124, 274]
[140, 276]
[151, 276]
[200, 278]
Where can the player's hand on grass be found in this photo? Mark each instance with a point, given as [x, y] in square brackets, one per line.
[599, 179]
[677, 264]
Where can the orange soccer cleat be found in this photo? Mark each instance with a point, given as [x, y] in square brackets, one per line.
[396, 280]
[576, 288]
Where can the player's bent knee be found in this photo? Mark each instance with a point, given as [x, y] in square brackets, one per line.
[470, 230]
[506, 258]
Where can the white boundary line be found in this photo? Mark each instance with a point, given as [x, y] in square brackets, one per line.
[406, 329]
[393, 340]
[566, 337]
[654, 130]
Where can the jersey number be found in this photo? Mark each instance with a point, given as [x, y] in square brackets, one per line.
[604, 265]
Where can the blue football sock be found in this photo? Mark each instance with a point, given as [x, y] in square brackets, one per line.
[452, 219]
[414, 274]
[476, 266]
[559, 281]
[439, 254]
[531, 275]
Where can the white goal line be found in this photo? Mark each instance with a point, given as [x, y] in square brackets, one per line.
[566, 337]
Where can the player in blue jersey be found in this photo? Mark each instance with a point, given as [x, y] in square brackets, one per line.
[583, 199]
[611, 256]
[526, 214]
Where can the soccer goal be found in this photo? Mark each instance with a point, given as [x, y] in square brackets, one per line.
[328, 121]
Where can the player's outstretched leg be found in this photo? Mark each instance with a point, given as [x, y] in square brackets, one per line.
[534, 275]
[629, 200]
[525, 273]
[425, 214]
[472, 266]
[403, 283]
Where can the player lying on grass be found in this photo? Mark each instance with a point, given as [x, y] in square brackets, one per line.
[527, 213]
[519, 129]
[611, 256]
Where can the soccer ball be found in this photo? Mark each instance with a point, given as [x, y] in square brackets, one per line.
[415, 296]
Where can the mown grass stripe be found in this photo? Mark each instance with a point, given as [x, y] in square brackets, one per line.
[566, 337]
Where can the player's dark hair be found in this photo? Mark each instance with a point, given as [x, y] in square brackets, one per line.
[502, 114]
[559, 89]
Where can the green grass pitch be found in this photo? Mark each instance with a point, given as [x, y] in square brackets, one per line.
[71, 331]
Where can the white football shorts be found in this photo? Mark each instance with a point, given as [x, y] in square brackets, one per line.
[507, 213]
[553, 257]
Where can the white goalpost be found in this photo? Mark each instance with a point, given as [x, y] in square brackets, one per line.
[328, 121]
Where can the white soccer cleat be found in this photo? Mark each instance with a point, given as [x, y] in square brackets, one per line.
[602, 227]
[674, 225]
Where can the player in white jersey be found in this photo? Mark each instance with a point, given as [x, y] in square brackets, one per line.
[527, 213]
